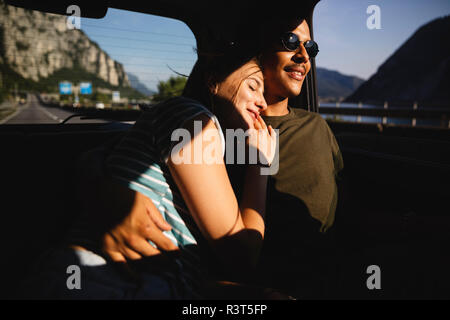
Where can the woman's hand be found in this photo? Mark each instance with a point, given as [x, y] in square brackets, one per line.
[264, 139]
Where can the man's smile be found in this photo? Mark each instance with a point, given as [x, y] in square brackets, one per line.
[296, 72]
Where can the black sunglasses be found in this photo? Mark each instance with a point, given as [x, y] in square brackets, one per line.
[291, 42]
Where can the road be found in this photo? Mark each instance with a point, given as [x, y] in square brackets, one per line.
[35, 113]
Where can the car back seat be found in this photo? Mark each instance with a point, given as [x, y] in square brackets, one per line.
[39, 198]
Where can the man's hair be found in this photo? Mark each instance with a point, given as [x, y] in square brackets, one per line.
[222, 51]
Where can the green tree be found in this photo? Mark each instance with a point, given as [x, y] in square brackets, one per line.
[101, 97]
[170, 88]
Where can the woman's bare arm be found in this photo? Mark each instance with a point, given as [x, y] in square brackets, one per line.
[234, 231]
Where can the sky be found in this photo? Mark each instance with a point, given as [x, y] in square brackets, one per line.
[348, 46]
[148, 46]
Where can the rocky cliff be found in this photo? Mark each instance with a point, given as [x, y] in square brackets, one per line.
[35, 45]
[419, 71]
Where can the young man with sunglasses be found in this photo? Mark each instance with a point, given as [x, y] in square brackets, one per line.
[298, 253]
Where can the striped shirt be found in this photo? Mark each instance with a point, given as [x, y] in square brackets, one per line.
[139, 161]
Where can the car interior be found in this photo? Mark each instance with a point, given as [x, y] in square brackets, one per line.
[394, 191]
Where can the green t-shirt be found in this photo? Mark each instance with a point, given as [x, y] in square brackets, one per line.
[301, 203]
[309, 162]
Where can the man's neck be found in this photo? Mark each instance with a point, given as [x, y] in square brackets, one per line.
[277, 108]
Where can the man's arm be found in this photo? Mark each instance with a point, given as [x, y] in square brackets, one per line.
[122, 220]
[129, 238]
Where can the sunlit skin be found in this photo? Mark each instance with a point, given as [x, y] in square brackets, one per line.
[279, 66]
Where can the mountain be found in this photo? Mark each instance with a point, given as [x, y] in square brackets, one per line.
[419, 71]
[333, 85]
[138, 85]
[39, 49]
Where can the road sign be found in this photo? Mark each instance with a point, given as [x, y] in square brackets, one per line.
[116, 96]
[65, 88]
[85, 88]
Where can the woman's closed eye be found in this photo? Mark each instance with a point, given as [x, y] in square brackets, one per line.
[253, 84]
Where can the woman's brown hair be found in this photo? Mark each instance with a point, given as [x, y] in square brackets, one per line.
[216, 61]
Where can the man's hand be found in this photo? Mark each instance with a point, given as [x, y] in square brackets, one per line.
[129, 239]
[120, 219]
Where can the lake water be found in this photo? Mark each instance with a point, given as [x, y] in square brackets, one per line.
[365, 119]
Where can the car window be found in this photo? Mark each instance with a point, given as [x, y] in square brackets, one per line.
[372, 56]
[53, 66]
